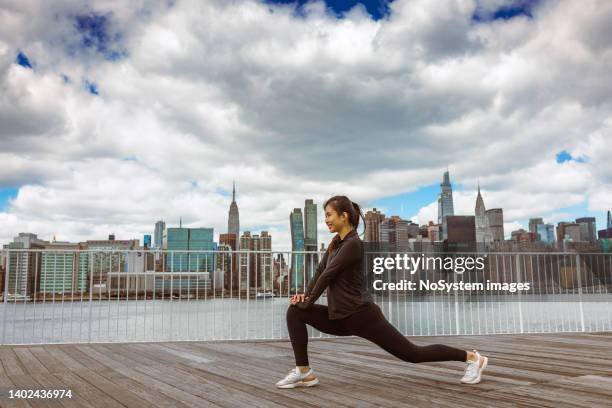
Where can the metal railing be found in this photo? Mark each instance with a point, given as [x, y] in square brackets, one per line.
[80, 296]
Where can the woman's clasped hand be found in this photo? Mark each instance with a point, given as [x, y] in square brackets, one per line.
[298, 298]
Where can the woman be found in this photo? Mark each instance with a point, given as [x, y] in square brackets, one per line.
[352, 312]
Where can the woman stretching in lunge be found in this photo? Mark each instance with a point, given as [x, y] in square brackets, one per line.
[348, 313]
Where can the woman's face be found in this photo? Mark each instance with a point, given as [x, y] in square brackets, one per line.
[334, 221]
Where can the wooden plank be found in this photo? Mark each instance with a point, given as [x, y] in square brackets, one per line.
[2, 370]
[149, 381]
[88, 392]
[149, 394]
[69, 362]
[12, 365]
[42, 354]
[225, 395]
[152, 352]
[162, 352]
[552, 396]
[50, 382]
[541, 370]
[174, 349]
[26, 382]
[337, 384]
[214, 393]
[122, 394]
[80, 354]
[251, 372]
[249, 380]
[6, 384]
[383, 365]
[30, 362]
[260, 375]
[128, 358]
[400, 384]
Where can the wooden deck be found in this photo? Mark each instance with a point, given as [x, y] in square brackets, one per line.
[550, 370]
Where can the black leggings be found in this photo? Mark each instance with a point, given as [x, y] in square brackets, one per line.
[369, 323]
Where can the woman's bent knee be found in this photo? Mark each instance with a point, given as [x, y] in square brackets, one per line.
[292, 312]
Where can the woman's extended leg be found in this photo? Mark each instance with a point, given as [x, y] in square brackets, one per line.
[373, 326]
[316, 316]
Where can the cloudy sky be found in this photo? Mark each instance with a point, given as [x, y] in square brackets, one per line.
[116, 114]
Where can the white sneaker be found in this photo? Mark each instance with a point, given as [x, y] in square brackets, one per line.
[295, 378]
[473, 369]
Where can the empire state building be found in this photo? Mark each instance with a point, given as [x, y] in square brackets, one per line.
[233, 222]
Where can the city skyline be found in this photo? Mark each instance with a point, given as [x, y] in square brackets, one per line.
[111, 120]
[304, 228]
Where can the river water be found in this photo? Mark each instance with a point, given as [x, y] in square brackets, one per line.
[223, 319]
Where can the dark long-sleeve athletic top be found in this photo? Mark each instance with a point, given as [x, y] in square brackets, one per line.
[340, 271]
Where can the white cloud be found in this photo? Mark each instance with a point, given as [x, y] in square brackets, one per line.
[294, 108]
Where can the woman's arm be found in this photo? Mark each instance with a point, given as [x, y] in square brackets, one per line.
[347, 255]
[320, 269]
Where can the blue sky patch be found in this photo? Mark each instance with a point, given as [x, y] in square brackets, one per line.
[376, 8]
[224, 193]
[578, 211]
[91, 87]
[517, 8]
[6, 194]
[407, 205]
[23, 60]
[564, 156]
[96, 34]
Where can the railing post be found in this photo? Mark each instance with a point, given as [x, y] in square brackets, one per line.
[520, 303]
[578, 272]
[89, 260]
[5, 296]
[456, 295]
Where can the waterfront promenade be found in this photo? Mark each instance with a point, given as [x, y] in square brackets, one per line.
[542, 370]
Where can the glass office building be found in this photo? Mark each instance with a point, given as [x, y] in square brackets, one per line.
[192, 240]
[546, 233]
[296, 222]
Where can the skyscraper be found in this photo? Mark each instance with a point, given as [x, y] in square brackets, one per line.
[461, 229]
[588, 230]
[22, 267]
[568, 231]
[231, 278]
[433, 231]
[188, 239]
[256, 266]
[533, 226]
[445, 199]
[296, 223]
[496, 223]
[95, 266]
[223, 265]
[606, 233]
[395, 231]
[233, 221]
[160, 226]
[246, 262]
[58, 269]
[483, 232]
[372, 223]
[546, 233]
[310, 237]
[146, 241]
[520, 236]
